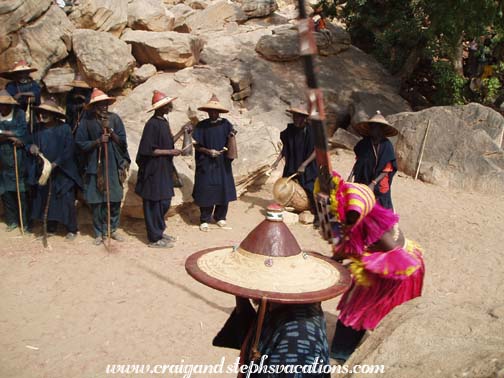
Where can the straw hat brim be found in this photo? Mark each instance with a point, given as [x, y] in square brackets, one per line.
[303, 278]
[298, 111]
[46, 170]
[8, 100]
[164, 101]
[8, 74]
[51, 109]
[80, 84]
[213, 106]
[110, 101]
[363, 128]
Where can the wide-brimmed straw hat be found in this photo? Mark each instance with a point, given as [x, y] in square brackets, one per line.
[213, 104]
[363, 128]
[299, 109]
[52, 107]
[46, 170]
[6, 98]
[159, 99]
[100, 96]
[21, 66]
[79, 82]
[269, 264]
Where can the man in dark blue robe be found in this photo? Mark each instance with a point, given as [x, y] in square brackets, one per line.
[24, 89]
[12, 137]
[55, 141]
[98, 130]
[214, 185]
[299, 152]
[375, 163]
[155, 171]
[76, 100]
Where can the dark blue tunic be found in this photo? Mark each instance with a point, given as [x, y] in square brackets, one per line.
[213, 179]
[298, 145]
[57, 145]
[31, 86]
[368, 166]
[88, 132]
[7, 172]
[155, 173]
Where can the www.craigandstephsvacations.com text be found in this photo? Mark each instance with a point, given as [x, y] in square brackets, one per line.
[186, 370]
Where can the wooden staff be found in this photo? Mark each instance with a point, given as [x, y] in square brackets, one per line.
[422, 149]
[46, 213]
[20, 208]
[107, 185]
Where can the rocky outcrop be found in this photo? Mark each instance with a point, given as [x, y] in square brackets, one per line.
[143, 73]
[258, 8]
[181, 12]
[283, 44]
[15, 14]
[215, 17]
[164, 49]
[45, 41]
[104, 60]
[443, 339]
[101, 15]
[463, 149]
[149, 15]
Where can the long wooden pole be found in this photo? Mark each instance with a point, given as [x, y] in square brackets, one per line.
[107, 188]
[422, 149]
[20, 206]
[46, 213]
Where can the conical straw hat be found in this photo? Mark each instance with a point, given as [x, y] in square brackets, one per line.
[159, 99]
[52, 107]
[21, 66]
[99, 96]
[79, 82]
[363, 128]
[269, 263]
[213, 104]
[6, 98]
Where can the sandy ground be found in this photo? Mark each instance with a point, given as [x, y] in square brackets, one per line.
[74, 308]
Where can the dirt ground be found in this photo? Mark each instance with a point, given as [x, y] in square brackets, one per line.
[74, 308]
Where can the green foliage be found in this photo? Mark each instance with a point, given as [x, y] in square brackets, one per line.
[450, 86]
[491, 87]
[399, 32]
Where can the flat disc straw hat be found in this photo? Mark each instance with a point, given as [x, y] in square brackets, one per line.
[270, 265]
[378, 120]
[159, 99]
[21, 66]
[213, 104]
[299, 109]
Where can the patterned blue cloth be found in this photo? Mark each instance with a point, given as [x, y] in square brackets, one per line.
[293, 335]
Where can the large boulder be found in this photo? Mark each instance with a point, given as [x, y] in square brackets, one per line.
[283, 44]
[181, 12]
[104, 60]
[258, 8]
[193, 87]
[215, 17]
[463, 149]
[45, 41]
[447, 340]
[164, 49]
[15, 14]
[149, 15]
[143, 73]
[101, 15]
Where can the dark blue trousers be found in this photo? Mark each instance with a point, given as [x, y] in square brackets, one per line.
[219, 213]
[100, 217]
[154, 215]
